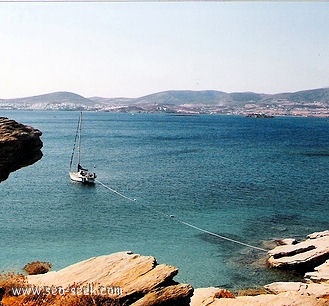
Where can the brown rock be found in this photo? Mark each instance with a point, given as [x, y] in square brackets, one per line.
[317, 290]
[303, 255]
[318, 235]
[140, 278]
[206, 297]
[20, 146]
[282, 299]
[288, 241]
[176, 295]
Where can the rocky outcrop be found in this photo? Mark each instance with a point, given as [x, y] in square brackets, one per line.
[20, 146]
[313, 290]
[211, 297]
[136, 280]
[304, 255]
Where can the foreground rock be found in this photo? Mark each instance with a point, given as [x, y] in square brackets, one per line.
[136, 280]
[306, 289]
[20, 146]
[304, 255]
[212, 297]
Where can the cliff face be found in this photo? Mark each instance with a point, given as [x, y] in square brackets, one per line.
[20, 146]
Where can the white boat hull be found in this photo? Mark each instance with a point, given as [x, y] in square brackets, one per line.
[84, 177]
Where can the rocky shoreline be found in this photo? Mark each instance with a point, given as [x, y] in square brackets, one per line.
[139, 280]
[310, 256]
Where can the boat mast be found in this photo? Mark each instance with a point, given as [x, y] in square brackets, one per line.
[79, 143]
[77, 134]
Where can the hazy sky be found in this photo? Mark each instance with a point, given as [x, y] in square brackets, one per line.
[131, 49]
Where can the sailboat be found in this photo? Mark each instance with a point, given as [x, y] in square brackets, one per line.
[81, 175]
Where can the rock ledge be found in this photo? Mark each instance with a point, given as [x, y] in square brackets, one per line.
[141, 279]
[304, 255]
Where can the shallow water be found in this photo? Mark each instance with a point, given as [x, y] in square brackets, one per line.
[248, 179]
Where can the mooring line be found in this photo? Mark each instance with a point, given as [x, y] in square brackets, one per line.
[116, 192]
[221, 237]
[181, 221]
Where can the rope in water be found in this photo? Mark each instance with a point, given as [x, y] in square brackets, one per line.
[116, 192]
[181, 221]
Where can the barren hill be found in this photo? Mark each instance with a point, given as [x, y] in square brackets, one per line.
[313, 102]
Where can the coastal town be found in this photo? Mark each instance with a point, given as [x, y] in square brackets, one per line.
[307, 103]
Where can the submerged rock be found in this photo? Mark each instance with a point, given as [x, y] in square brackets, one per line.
[288, 241]
[20, 146]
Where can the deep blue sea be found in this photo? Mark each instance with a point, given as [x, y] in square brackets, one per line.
[252, 180]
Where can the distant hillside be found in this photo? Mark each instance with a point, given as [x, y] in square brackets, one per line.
[313, 102]
[212, 97]
[306, 96]
[56, 100]
[56, 97]
[178, 97]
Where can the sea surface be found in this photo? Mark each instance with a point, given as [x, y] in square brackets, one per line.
[252, 180]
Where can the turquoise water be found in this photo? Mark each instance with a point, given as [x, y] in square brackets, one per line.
[248, 179]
